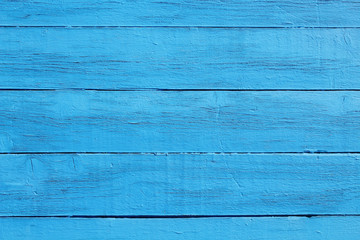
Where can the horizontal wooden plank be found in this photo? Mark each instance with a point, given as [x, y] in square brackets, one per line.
[191, 121]
[292, 228]
[180, 12]
[179, 184]
[177, 58]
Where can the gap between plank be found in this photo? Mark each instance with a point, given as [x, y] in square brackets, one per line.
[177, 90]
[188, 26]
[186, 216]
[184, 153]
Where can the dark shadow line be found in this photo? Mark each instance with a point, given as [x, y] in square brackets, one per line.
[187, 216]
[178, 153]
[180, 26]
[177, 90]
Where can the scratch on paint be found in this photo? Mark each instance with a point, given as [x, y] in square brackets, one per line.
[217, 120]
[32, 165]
[232, 175]
[292, 15]
[318, 12]
[73, 161]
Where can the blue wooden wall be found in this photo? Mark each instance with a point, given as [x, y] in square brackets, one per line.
[180, 119]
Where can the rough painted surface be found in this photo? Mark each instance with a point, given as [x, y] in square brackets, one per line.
[292, 228]
[185, 184]
[92, 91]
[191, 121]
[176, 58]
[266, 13]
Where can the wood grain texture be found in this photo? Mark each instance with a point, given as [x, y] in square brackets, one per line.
[78, 158]
[292, 228]
[190, 121]
[179, 184]
[177, 58]
[181, 12]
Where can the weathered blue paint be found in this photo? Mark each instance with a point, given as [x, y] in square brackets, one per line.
[191, 121]
[242, 13]
[179, 184]
[292, 228]
[177, 58]
[231, 94]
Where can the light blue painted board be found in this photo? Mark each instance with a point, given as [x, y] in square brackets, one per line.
[176, 58]
[179, 184]
[191, 121]
[292, 228]
[286, 13]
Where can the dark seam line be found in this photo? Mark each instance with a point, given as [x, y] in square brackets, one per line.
[177, 90]
[177, 153]
[185, 26]
[187, 216]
